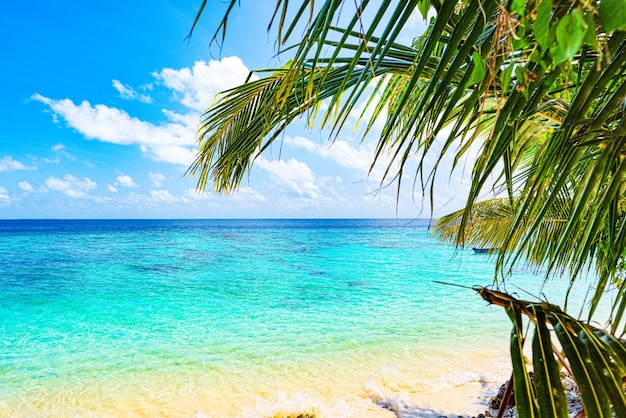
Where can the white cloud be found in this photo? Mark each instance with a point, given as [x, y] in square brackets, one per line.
[341, 152]
[414, 27]
[125, 181]
[292, 174]
[172, 142]
[114, 125]
[4, 197]
[207, 200]
[196, 195]
[9, 164]
[59, 150]
[243, 196]
[71, 186]
[112, 189]
[128, 93]
[175, 155]
[451, 186]
[163, 196]
[248, 195]
[156, 179]
[26, 186]
[165, 142]
[199, 84]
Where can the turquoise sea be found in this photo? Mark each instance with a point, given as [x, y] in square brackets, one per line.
[238, 317]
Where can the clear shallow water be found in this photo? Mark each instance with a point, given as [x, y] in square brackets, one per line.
[237, 317]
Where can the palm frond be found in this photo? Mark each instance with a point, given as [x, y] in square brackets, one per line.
[597, 360]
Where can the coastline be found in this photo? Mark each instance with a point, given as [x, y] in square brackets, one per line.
[179, 396]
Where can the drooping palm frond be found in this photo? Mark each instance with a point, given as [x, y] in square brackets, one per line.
[247, 119]
[488, 227]
[491, 223]
[595, 358]
[492, 226]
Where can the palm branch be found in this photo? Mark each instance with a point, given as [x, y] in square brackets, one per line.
[595, 359]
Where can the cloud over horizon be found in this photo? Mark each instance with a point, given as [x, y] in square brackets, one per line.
[71, 186]
[196, 87]
[171, 142]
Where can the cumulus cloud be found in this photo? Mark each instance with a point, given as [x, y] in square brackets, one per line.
[296, 176]
[125, 181]
[4, 197]
[71, 186]
[156, 179]
[197, 86]
[128, 93]
[174, 154]
[248, 195]
[341, 152]
[172, 142]
[114, 125]
[9, 164]
[193, 194]
[26, 186]
[163, 196]
[243, 195]
[204, 200]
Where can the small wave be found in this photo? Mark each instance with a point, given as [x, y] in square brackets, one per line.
[449, 393]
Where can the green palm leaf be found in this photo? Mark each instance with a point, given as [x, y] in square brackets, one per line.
[547, 377]
[596, 359]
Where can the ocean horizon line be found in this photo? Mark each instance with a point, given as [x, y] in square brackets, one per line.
[211, 219]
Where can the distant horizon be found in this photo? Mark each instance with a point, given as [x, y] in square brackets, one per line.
[208, 219]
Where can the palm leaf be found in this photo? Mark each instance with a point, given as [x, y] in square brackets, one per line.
[547, 377]
[597, 360]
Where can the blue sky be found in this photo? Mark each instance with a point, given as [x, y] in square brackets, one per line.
[100, 103]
